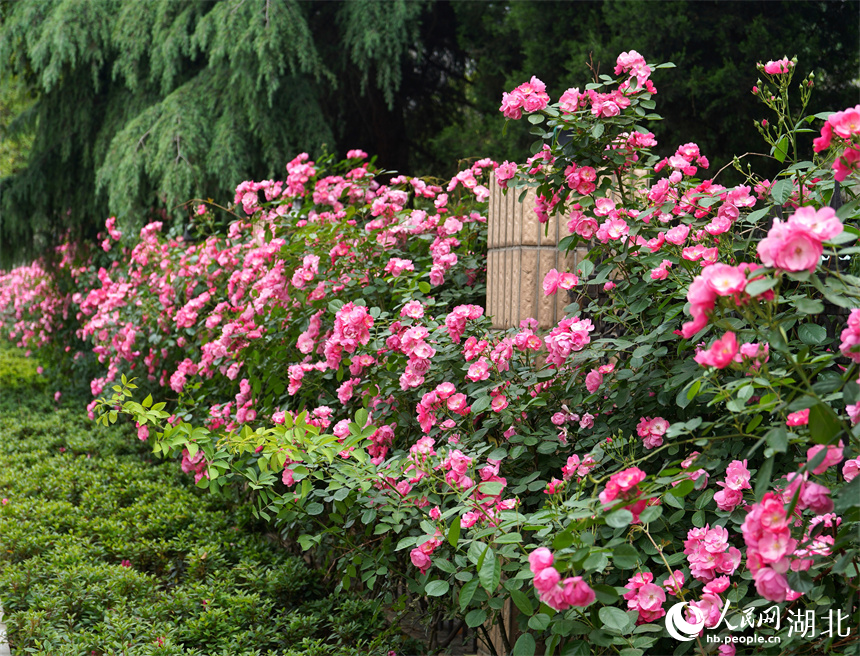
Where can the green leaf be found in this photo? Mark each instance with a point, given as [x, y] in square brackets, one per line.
[424, 287]
[650, 514]
[577, 648]
[562, 541]
[539, 622]
[466, 594]
[760, 286]
[597, 561]
[613, 618]
[487, 572]
[800, 581]
[509, 538]
[777, 439]
[522, 602]
[824, 425]
[781, 190]
[437, 588]
[492, 489]
[780, 150]
[405, 542]
[763, 478]
[809, 305]
[694, 390]
[683, 488]
[525, 645]
[848, 497]
[619, 518]
[315, 508]
[481, 404]
[454, 532]
[625, 556]
[361, 418]
[753, 217]
[476, 618]
[605, 594]
[597, 130]
[812, 334]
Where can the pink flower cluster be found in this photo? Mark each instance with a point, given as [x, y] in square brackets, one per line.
[645, 597]
[421, 555]
[796, 245]
[455, 322]
[684, 160]
[445, 396]
[799, 418]
[721, 354]
[634, 64]
[552, 590]
[352, 326]
[845, 125]
[652, 431]
[624, 485]
[530, 96]
[579, 467]
[708, 553]
[412, 343]
[777, 67]
[717, 280]
[850, 346]
[769, 545]
[580, 178]
[397, 265]
[851, 469]
[569, 336]
[710, 605]
[195, 464]
[737, 480]
[553, 281]
[506, 171]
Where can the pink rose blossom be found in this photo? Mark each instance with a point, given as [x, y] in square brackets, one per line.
[799, 418]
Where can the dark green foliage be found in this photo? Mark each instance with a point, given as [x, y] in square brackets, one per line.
[82, 499]
[148, 104]
[143, 106]
[715, 45]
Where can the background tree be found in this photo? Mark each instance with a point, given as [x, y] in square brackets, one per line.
[142, 106]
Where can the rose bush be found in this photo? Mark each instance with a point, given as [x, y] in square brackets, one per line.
[331, 354]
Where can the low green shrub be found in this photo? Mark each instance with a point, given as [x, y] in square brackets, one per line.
[103, 552]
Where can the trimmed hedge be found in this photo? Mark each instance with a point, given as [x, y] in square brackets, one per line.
[103, 552]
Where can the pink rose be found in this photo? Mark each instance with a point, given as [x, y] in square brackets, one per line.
[550, 282]
[817, 498]
[721, 353]
[577, 592]
[540, 559]
[420, 559]
[771, 585]
[851, 468]
[799, 418]
[593, 380]
[832, 457]
[546, 579]
[790, 246]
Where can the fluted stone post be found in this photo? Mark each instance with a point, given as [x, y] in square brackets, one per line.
[520, 252]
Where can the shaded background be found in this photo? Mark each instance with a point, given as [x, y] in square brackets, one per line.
[132, 108]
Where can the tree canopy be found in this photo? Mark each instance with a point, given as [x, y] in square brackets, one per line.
[139, 107]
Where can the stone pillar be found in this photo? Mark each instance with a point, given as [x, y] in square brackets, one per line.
[520, 252]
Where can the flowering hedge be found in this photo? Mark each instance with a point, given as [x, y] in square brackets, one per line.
[331, 353]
